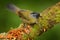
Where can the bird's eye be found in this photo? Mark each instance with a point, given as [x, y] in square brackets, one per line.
[35, 15]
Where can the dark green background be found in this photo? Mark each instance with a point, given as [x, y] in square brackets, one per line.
[8, 19]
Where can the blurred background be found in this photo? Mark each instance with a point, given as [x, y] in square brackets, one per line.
[10, 20]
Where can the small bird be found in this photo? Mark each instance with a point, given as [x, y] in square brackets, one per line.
[27, 16]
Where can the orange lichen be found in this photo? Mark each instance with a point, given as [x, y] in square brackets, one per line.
[16, 33]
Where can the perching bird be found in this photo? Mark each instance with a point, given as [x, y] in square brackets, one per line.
[28, 17]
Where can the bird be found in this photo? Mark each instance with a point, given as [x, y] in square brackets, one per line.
[27, 16]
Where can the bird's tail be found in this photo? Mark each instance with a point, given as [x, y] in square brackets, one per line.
[13, 8]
